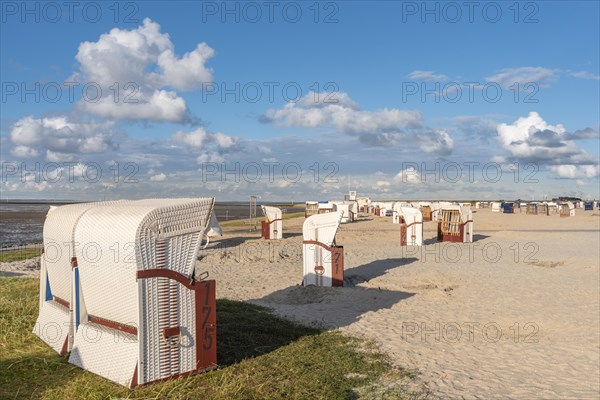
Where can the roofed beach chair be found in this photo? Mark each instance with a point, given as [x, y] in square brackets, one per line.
[353, 211]
[426, 211]
[145, 317]
[344, 209]
[567, 209]
[151, 318]
[411, 226]
[312, 208]
[323, 259]
[496, 206]
[60, 302]
[456, 224]
[272, 226]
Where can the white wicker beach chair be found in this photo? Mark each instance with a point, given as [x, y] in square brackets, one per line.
[567, 209]
[353, 211]
[323, 259]
[312, 208]
[148, 318]
[60, 303]
[344, 209]
[411, 226]
[456, 224]
[272, 227]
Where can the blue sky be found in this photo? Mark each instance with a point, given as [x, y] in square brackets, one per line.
[354, 105]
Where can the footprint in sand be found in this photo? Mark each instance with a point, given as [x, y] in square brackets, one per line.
[547, 264]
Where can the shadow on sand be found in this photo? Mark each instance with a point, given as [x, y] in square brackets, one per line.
[376, 268]
[330, 307]
[335, 307]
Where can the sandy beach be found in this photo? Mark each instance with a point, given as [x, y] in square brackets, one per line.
[516, 314]
[513, 315]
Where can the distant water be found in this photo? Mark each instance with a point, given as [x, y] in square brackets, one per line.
[23, 223]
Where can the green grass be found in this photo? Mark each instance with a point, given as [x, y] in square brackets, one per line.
[19, 255]
[260, 356]
[293, 215]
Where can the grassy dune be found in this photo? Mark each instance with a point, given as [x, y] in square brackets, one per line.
[260, 356]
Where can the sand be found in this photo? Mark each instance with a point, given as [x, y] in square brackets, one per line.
[514, 315]
[29, 268]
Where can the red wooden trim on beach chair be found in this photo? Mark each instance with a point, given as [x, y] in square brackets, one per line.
[206, 318]
[60, 301]
[113, 325]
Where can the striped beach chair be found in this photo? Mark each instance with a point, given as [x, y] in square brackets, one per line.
[61, 306]
[323, 259]
[143, 315]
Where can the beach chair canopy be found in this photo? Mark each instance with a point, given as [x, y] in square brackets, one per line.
[56, 301]
[322, 227]
[214, 228]
[344, 209]
[136, 262]
[271, 213]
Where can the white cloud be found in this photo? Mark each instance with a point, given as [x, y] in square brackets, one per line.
[24, 152]
[142, 65]
[158, 178]
[200, 138]
[435, 141]
[224, 141]
[210, 157]
[158, 105]
[427, 76]
[408, 175]
[194, 139]
[317, 99]
[531, 139]
[523, 75]
[381, 127]
[284, 183]
[576, 171]
[344, 116]
[59, 136]
[55, 156]
[187, 72]
[585, 75]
